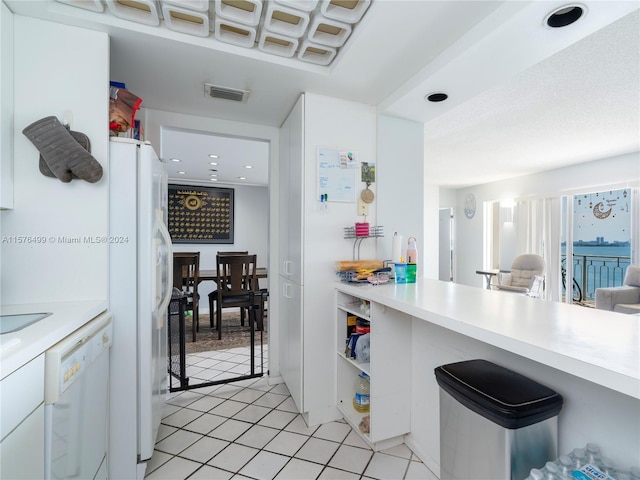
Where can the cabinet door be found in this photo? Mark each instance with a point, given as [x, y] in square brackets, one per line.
[6, 107]
[291, 328]
[296, 191]
[284, 199]
[22, 451]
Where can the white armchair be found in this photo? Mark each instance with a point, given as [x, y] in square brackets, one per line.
[526, 275]
[624, 299]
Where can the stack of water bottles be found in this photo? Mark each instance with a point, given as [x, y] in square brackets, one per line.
[583, 464]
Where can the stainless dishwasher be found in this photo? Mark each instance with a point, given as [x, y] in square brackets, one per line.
[77, 403]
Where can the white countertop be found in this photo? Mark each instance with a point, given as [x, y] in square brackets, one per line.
[20, 347]
[599, 346]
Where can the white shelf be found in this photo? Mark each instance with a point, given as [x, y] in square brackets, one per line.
[354, 309]
[354, 418]
[363, 367]
[389, 409]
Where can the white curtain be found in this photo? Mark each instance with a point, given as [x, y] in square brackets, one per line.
[537, 230]
[528, 220]
[552, 238]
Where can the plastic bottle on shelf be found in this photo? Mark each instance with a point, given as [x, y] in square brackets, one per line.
[551, 471]
[535, 474]
[361, 396]
[607, 466]
[579, 457]
[565, 465]
[592, 452]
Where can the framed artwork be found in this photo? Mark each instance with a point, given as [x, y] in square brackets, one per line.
[200, 214]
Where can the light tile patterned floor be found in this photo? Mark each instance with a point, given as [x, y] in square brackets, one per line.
[252, 430]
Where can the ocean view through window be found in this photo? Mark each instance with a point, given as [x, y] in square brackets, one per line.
[601, 239]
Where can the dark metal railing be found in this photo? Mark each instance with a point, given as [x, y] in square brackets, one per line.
[595, 271]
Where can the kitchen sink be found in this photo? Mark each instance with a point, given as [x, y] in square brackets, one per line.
[13, 323]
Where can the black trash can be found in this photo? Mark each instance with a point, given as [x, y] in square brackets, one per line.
[494, 423]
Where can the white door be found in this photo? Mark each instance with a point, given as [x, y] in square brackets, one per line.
[445, 260]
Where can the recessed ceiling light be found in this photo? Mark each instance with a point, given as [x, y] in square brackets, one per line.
[248, 166]
[176, 160]
[213, 170]
[242, 178]
[181, 173]
[213, 179]
[436, 97]
[563, 16]
[213, 174]
[213, 163]
[213, 155]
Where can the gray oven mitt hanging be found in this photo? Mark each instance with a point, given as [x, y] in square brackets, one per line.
[79, 137]
[63, 155]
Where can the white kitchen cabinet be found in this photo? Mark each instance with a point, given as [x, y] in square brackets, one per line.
[6, 107]
[292, 194]
[291, 251]
[312, 242]
[22, 422]
[389, 370]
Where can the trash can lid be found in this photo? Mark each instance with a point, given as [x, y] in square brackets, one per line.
[498, 394]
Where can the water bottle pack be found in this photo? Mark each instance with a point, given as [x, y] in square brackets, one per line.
[586, 463]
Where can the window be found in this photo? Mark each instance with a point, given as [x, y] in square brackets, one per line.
[599, 244]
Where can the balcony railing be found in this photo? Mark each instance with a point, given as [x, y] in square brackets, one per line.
[595, 271]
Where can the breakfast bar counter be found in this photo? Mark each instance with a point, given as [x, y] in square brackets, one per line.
[599, 346]
[591, 357]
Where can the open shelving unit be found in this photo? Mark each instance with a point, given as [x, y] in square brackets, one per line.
[388, 371]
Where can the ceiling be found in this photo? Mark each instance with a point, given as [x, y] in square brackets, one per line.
[522, 97]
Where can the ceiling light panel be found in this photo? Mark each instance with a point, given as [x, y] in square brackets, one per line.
[311, 31]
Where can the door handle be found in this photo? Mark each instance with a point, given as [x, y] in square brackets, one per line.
[287, 267]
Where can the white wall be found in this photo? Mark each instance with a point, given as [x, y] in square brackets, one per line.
[402, 193]
[54, 74]
[592, 176]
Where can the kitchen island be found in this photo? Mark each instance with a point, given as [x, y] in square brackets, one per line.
[591, 357]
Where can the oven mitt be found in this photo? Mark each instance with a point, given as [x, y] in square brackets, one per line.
[79, 137]
[63, 155]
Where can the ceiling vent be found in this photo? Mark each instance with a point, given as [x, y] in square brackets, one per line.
[226, 93]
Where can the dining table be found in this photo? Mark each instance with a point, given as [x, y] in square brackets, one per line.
[488, 274]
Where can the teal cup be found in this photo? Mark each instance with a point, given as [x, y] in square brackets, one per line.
[401, 272]
[412, 269]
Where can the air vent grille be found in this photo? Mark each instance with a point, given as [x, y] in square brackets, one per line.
[225, 93]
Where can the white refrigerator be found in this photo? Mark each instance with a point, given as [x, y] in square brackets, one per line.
[140, 276]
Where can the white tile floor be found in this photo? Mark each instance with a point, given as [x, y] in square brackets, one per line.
[252, 430]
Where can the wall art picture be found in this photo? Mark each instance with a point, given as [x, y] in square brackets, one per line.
[200, 214]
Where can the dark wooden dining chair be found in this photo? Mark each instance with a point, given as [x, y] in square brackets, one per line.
[214, 294]
[186, 266]
[236, 282]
